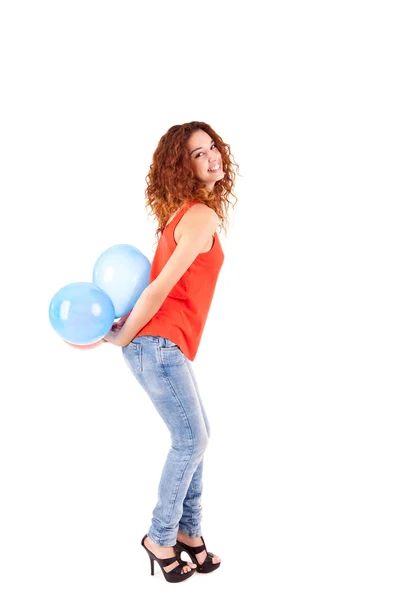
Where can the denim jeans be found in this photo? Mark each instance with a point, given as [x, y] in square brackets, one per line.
[167, 377]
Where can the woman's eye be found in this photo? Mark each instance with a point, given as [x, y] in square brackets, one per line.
[200, 153]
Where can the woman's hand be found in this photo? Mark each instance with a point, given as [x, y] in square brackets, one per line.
[117, 326]
[112, 337]
[121, 322]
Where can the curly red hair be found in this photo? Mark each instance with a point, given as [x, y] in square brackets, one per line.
[171, 182]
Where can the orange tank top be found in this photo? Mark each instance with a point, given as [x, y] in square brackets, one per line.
[183, 314]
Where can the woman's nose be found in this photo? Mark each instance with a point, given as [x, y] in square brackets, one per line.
[213, 155]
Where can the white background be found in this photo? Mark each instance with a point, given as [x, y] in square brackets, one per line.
[298, 365]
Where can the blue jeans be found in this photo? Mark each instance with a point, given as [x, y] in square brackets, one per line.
[167, 377]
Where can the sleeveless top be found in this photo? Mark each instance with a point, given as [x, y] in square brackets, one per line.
[183, 314]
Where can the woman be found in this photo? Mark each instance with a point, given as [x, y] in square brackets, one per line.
[188, 188]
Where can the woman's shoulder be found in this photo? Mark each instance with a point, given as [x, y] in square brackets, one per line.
[182, 208]
[193, 214]
[197, 217]
[199, 207]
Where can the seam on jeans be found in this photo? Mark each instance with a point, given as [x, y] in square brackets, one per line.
[202, 409]
[206, 424]
[172, 504]
[191, 510]
[140, 357]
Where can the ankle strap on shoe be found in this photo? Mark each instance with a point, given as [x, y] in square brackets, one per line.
[195, 549]
[168, 561]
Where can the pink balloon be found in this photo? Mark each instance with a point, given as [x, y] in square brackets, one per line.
[86, 346]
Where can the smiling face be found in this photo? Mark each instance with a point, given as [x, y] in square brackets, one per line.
[205, 158]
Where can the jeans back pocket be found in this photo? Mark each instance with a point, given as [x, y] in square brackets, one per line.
[171, 354]
[133, 354]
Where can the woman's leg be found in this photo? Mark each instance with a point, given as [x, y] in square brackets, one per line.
[161, 369]
[190, 522]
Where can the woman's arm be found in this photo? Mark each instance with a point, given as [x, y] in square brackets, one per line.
[199, 225]
[145, 308]
[121, 321]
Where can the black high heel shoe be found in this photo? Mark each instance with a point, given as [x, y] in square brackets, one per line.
[207, 566]
[173, 576]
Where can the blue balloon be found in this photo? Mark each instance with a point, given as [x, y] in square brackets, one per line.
[81, 313]
[122, 272]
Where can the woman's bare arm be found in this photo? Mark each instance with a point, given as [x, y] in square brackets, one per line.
[199, 225]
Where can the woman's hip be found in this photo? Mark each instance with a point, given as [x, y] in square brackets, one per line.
[163, 371]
